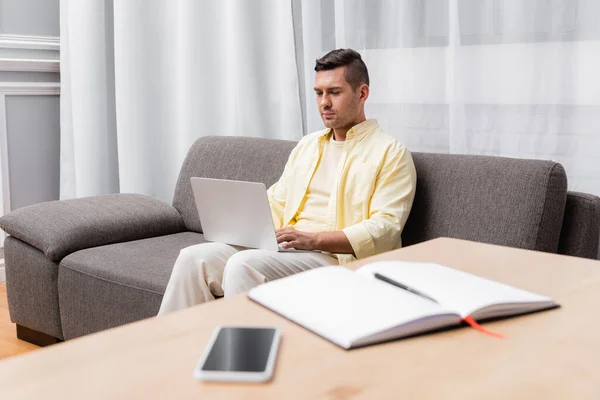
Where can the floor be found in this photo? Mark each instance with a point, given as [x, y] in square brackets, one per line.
[9, 344]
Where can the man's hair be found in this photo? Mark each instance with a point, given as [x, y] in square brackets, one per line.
[356, 71]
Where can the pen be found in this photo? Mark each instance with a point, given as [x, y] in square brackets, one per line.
[401, 286]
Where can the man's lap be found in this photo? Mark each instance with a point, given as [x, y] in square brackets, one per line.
[258, 256]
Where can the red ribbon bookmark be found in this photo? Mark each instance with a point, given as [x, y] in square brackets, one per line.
[469, 320]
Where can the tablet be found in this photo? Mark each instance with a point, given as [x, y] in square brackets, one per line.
[239, 354]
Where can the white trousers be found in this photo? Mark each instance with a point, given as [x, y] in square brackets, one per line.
[206, 270]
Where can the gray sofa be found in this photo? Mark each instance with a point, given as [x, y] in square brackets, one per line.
[79, 266]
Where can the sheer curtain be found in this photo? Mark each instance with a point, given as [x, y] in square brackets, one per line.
[142, 79]
[496, 77]
[88, 141]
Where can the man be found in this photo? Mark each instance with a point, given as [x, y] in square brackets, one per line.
[345, 191]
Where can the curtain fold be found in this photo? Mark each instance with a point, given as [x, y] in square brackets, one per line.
[88, 147]
[182, 69]
[491, 77]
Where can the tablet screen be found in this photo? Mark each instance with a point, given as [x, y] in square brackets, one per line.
[240, 349]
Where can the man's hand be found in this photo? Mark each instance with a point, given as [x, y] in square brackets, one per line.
[331, 242]
[296, 239]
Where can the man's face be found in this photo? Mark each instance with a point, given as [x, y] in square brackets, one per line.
[339, 105]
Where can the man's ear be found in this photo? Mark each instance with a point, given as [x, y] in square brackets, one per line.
[363, 92]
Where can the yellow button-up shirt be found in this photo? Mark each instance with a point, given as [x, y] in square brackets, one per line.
[371, 196]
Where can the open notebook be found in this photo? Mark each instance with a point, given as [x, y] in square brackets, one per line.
[354, 308]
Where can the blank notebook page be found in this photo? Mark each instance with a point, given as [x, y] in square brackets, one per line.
[341, 305]
[453, 289]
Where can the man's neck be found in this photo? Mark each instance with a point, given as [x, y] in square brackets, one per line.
[339, 134]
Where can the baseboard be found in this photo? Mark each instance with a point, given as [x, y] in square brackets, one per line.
[2, 272]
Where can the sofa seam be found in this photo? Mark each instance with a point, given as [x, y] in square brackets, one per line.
[108, 280]
[544, 210]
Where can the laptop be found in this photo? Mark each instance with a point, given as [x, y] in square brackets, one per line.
[236, 213]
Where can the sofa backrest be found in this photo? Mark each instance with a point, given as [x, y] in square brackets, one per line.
[511, 202]
[228, 157]
[505, 201]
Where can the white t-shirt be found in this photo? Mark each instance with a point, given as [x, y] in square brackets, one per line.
[311, 215]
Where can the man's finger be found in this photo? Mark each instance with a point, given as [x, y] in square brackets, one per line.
[286, 238]
[293, 244]
[281, 235]
[296, 244]
[281, 231]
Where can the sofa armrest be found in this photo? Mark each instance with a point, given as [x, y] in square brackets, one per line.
[580, 232]
[59, 228]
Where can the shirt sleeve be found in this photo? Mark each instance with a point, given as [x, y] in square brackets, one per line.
[391, 203]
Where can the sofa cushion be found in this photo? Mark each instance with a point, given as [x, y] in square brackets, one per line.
[581, 226]
[505, 201]
[112, 285]
[235, 158]
[58, 228]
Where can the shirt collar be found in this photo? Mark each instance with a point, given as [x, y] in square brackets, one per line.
[357, 131]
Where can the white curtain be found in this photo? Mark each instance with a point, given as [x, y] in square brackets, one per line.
[143, 79]
[508, 78]
[88, 159]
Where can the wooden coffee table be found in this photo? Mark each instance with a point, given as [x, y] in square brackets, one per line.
[553, 354]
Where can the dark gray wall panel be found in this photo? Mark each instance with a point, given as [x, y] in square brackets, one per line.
[30, 17]
[33, 126]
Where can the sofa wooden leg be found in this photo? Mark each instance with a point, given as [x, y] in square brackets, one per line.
[35, 337]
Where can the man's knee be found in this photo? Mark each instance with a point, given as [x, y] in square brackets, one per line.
[204, 250]
[191, 259]
[185, 263]
[243, 271]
